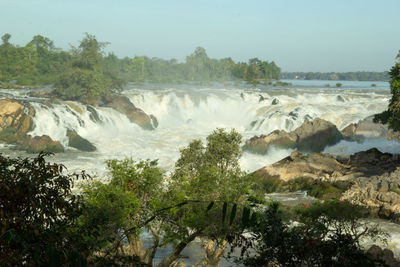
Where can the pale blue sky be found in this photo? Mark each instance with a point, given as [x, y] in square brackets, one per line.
[301, 35]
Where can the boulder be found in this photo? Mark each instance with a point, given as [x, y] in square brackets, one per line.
[41, 143]
[366, 128]
[15, 119]
[380, 192]
[261, 144]
[123, 105]
[315, 135]
[78, 142]
[334, 167]
[315, 166]
[311, 136]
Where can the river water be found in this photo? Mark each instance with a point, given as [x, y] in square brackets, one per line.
[185, 113]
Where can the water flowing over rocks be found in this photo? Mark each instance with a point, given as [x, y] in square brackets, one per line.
[312, 136]
[135, 115]
[78, 142]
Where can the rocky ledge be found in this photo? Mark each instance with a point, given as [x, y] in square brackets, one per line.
[115, 101]
[311, 136]
[16, 122]
[373, 177]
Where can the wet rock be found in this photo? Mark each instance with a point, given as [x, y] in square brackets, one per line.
[275, 101]
[123, 105]
[154, 121]
[15, 120]
[78, 142]
[312, 136]
[93, 115]
[315, 135]
[262, 98]
[340, 98]
[366, 128]
[261, 144]
[42, 143]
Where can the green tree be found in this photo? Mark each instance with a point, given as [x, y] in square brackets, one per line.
[38, 213]
[327, 234]
[86, 79]
[5, 38]
[207, 173]
[392, 115]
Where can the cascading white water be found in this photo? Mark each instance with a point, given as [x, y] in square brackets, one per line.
[189, 113]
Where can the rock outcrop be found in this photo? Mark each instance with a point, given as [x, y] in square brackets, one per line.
[78, 142]
[312, 136]
[379, 192]
[15, 115]
[135, 115]
[373, 176]
[366, 128]
[41, 143]
[332, 167]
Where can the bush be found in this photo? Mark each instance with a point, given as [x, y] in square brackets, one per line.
[38, 214]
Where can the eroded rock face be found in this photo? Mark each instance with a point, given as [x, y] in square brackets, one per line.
[135, 115]
[15, 119]
[332, 167]
[366, 128]
[312, 136]
[42, 143]
[381, 192]
[374, 176]
[78, 142]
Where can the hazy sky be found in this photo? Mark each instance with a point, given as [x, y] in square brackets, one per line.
[299, 35]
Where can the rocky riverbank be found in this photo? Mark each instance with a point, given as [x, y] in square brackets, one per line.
[17, 120]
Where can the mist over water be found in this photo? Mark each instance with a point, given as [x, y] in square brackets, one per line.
[185, 113]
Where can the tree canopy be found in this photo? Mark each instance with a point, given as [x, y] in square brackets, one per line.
[392, 115]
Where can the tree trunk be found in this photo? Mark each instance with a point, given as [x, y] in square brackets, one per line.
[214, 253]
[168, 260]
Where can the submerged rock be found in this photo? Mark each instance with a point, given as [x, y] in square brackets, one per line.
[78, 142]
[312, 136]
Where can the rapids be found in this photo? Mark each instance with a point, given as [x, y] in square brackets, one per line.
[192, 112]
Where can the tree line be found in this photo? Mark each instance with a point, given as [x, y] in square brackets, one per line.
[39, 62]
[338, 76]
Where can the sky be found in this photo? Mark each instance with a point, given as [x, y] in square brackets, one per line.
[299, 35]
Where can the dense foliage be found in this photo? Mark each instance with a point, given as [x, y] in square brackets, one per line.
[325, 234]
[206, 196]
[38, 213]
[392, 115]
[87, 70]
[338, 76]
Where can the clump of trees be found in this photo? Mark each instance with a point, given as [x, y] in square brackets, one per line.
[86, 72]
[392, 115]
[206, 196]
